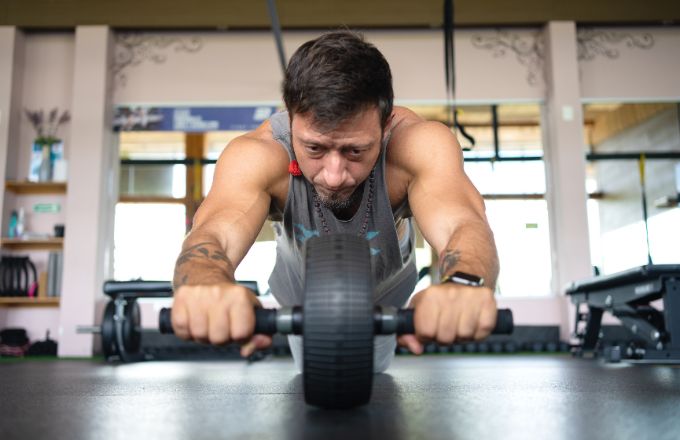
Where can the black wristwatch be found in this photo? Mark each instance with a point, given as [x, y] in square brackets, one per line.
[463, 278]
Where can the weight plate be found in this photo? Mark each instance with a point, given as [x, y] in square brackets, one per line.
[338, 322]
[109, 346]
[132, 335]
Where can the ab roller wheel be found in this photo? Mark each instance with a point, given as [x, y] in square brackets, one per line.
[338, 320]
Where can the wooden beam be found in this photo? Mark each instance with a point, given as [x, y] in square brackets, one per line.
[610, 123]
[233, 14]
[194, 183]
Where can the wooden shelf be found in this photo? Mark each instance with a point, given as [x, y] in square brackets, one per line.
[29, 302]
[150, 199]
[26, 245]
[24, 187]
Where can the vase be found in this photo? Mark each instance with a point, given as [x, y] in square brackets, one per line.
[46, 163]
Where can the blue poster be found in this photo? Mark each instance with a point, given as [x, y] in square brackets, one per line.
[190, 119]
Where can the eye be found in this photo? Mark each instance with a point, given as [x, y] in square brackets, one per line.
[313, 149]
[355, 152]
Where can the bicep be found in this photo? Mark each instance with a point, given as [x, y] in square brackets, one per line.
[237, 205]
[441, 196]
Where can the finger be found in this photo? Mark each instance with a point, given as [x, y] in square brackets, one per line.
[218, 326]
[180, 321]
[487, 321]
[425, 320]
[447, 329]
[412, 343]
[467, 324]
[241, 321]
[403, 340]
[262, 341]
[198, 324]
[257, 342]
[248, 348]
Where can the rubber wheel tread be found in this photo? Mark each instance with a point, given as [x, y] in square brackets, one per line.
[338, 308]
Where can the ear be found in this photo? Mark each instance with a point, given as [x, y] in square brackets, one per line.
[388, 127]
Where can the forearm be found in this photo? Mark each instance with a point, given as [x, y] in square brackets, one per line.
[202, 261]
[471, 249]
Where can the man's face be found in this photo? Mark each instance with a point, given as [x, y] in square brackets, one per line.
[336, 161]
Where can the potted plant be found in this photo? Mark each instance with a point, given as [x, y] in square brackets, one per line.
[47, 147]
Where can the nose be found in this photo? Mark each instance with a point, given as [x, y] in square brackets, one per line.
[335, 171]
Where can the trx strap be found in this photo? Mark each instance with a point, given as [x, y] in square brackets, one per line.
[276, 29]
[450, 71]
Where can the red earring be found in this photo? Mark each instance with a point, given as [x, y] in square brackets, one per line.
[294, 168]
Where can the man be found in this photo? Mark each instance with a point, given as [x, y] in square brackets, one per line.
[341, 159]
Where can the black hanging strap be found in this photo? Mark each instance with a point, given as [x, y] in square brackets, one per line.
[449, 57]
[450, 70]
[276, 29]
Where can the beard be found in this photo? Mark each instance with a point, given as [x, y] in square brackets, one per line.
[336, 202]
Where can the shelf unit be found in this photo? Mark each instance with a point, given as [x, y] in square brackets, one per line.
[29, 302]
[25, 187]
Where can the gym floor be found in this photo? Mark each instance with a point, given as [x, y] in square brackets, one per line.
[431, 397]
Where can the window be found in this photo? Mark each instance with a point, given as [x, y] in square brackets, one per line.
[505, 163]
[147, 170]
[506, 166]
[164, 177]
[215, 142]
[148, 238]
[151, 215]
[630, 186]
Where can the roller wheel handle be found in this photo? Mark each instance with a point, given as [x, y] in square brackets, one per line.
[504, 322]
[165, 321]
[265, 321]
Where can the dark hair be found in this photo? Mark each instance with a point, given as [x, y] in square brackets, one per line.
[336, 76]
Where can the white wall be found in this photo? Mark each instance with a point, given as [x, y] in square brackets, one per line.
[491, 65]
[93, 190]
[642, 64]
[48, 83]
[243, 67]
[44, 81]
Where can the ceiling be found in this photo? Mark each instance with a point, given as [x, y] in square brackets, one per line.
[239, 14]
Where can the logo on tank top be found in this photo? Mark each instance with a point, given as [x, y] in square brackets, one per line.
[303, 234]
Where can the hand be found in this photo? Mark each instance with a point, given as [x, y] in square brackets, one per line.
[218, 314]
[448, 313]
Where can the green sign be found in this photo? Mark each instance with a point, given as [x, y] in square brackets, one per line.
[47, 208]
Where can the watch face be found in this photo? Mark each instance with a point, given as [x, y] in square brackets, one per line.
[466, 279]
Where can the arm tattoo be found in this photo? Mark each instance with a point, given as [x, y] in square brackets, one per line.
[201, 253]
[220, 256]
[183, 281]
[448, 261]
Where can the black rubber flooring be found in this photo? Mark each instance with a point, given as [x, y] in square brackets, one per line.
[430, 397]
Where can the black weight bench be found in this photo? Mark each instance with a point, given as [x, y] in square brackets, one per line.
[121, 331]
[627, 296]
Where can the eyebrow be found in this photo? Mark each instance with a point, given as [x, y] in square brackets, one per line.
[317, 144]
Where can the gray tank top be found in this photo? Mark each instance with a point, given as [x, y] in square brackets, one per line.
[393, 259]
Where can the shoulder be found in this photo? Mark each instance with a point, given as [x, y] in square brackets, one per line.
[254, 157]
[417, 145]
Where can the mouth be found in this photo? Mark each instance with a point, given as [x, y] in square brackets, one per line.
[340, 194]
[334, 200]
